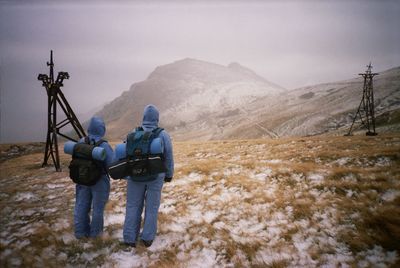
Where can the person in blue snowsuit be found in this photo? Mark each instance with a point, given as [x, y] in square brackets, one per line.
[93, 197]
[147, 193]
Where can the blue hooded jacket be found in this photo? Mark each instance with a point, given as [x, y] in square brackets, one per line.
[150, 122]
[96, 131]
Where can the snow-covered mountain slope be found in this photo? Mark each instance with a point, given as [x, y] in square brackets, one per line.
[188, 92]
[329, 107]
[202, 101]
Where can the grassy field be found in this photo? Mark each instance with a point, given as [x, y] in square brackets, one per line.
[295, 202]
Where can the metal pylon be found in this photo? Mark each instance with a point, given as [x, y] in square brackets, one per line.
[54, 96]
[366, 109]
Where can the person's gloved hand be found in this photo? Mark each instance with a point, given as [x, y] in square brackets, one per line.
[167, 179]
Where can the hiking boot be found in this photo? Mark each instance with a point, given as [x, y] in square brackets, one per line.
[146, 243]
[128, 246]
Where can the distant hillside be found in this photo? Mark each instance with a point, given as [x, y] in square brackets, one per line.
[328, 107]
[188, 92]
[203, 101]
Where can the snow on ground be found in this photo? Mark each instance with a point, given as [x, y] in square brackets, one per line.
[390, 195]
[250, 205]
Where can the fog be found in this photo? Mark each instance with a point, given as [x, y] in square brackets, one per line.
[107, 47]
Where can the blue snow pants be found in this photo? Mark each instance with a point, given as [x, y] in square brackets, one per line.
[91, 198]
[139, 194]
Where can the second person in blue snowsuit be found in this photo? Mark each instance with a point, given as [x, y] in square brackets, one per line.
[93, 198]
[147, 193]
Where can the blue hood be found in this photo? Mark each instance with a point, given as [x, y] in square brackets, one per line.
[97, 127]
[150, 116]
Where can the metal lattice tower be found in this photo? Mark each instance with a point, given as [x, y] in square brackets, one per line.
[366, 109]
[55, 95]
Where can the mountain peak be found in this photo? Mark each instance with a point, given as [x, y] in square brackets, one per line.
[238, 67]
[187, 60]
[234, 65]
[181, 68]
[208, 72]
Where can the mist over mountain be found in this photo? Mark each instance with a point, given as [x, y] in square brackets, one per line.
[203, 101]
[189, 93]
[325, 108]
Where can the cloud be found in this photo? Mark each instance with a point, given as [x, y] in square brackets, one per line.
[106, 47]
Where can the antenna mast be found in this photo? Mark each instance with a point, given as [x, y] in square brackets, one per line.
[366, 109]
[54, 96]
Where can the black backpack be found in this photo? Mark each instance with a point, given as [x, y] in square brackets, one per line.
[83, 169]
[140, 163]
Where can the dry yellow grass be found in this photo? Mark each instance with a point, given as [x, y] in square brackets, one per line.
[248, 202]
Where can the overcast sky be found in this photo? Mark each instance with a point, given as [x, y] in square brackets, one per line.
[106, 47]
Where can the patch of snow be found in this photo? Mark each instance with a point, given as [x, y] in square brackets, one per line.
[263, 175]
[340, 258]
[219, 225]
[209, 216]
[52, 196]
[54, 186]
[272, 161]
[165, 208]
[268, 256]
[350, 178]
[123, 259]
[87, 245]
[15, 262]
[89, 256]
[23, 243]
[377, 257]
[25, 196]
[196, 215]
[350, 193]
[390, 195]
[67, 238]
[232, 171]
[314, 192]
[241, 258]
[178, 227]
[117, 233]
[298, 177]
[49, 210]
[383, 161]
[110, 219]
[203, 258]
[256, 228]
[165, 241]
[61, 224]
[192, 177]
[289, 210]
[26, 213]
[342, 161]
[62, 256]
[316, 178]
[235, 158]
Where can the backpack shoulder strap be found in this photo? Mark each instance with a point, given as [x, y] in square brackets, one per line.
[99, 142]
[132, 134]
[88, 141]
[157, 131]
[130, 140]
